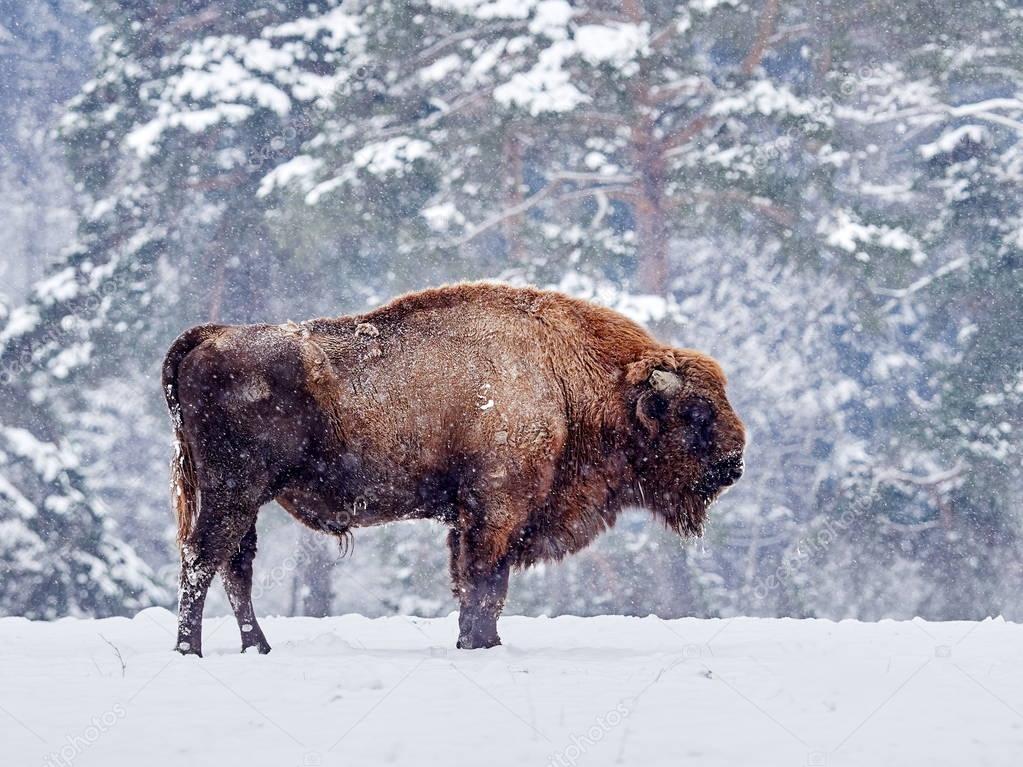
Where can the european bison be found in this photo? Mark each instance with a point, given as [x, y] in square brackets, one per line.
[522, 418]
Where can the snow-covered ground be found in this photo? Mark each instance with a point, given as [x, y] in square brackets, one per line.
[564, 691]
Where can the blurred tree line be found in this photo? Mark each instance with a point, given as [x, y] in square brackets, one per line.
[825, 196]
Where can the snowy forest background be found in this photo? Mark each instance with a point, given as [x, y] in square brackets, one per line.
[825, 195]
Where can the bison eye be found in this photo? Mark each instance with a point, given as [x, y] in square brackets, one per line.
[698, 416]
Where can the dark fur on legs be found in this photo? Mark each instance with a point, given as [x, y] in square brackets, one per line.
[223, 539]
[237, 577]
[481, 590]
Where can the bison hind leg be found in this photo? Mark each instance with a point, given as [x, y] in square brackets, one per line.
[205, 550]
[236, 574]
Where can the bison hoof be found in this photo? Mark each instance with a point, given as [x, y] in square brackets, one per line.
[185, 648]
[262, 648]
[477, 642]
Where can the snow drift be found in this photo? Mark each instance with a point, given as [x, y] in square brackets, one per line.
[563, 691]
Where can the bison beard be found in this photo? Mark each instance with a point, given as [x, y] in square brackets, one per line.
[523, 419]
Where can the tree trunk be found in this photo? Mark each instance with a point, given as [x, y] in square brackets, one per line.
[316, 571]
[651, 245]
[762, 39]
[649, 208]
[513, 195]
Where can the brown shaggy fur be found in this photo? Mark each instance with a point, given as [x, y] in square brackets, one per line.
[524, 419]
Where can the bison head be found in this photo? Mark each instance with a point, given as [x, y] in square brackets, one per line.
[689, 439]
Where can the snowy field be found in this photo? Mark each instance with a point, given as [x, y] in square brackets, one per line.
[564, 691]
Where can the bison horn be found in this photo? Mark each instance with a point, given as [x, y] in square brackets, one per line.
[665, 382]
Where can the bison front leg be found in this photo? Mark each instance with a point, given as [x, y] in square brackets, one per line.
[481, 604]
[481, 588]
[237, 577]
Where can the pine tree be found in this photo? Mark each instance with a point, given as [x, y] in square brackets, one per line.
[61, 552]
[825, 196]
[928, 230]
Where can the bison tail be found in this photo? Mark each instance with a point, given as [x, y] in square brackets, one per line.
[184, 484]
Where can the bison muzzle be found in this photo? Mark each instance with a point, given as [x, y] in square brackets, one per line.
[523, 419]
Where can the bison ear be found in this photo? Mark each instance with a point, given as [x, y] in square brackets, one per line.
[652, 403]
[650, 410]
[653, 377]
